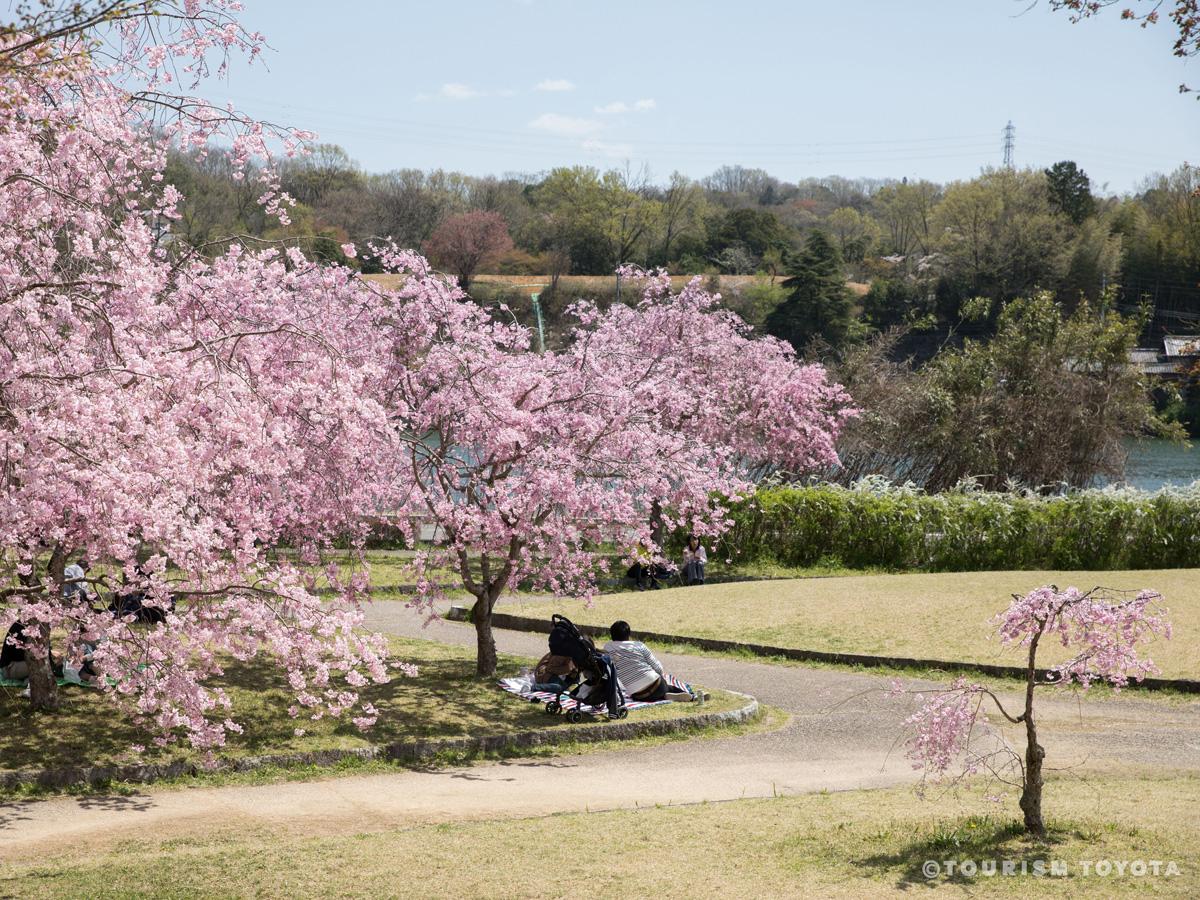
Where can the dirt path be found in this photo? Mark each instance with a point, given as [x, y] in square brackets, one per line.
[838, 738]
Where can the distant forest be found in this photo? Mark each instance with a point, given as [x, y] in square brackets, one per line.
[926, 249]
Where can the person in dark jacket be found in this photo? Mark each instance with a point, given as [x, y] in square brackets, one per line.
[14, 661]
[12, 658]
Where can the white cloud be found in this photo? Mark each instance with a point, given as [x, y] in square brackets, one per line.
[620, 106]
[603, 148]
[459, 92]
[455, 91]
[611, 109]
[555, 85]
[567, 126]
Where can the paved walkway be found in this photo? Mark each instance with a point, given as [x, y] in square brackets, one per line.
[838, 738]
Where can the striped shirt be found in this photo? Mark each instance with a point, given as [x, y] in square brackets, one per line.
[637, 667]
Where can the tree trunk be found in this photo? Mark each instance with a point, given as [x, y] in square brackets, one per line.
[658, 529]
[485, 642]
[1031, 790]
[43, 687]
[1031, 786]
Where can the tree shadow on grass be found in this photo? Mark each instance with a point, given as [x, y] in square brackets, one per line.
[446, 700]
[84, 731]
[978, 839]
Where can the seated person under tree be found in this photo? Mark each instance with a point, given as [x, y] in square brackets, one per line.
[640, 673]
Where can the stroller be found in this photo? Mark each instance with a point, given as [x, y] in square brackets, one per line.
[598, 688]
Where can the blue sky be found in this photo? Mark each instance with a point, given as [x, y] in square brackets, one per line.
[872, 88]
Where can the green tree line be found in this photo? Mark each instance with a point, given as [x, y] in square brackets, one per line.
[925, 248]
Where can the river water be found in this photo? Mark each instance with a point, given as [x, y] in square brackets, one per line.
[1155, 463]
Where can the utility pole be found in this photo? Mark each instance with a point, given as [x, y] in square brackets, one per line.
[1010, 139]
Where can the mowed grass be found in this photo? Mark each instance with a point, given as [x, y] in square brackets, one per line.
[391, 576]
[846, 845]
[445, 700]
[943, 616]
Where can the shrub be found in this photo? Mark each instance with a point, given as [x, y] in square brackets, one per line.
[876, 524]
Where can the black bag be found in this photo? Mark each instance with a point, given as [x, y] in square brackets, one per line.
[602, 687]
[609, 684]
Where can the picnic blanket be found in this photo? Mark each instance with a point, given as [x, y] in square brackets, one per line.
[24, 682]
[517, 686]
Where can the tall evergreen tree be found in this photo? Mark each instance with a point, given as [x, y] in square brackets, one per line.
[1070, 190]
[818, 303]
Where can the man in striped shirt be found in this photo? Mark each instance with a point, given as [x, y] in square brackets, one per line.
[638, 670]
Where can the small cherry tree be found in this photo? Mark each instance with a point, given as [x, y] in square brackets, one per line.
[530, 464]
[1103, 628]
[466, 242]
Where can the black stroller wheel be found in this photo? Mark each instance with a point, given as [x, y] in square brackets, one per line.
[574, 717]
[553, 707]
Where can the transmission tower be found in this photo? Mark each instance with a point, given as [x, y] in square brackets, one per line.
[1010, 139]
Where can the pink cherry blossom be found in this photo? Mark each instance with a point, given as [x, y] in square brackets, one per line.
[198, 430]
[1106, 631]
[531, 463]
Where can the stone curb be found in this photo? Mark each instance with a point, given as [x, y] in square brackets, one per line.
[524, 623]
[408, 751]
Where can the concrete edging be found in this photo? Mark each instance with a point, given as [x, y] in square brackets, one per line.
[408, 751]
[524, 623]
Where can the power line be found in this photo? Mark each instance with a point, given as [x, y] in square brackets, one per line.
[411, 134]
[472, 132]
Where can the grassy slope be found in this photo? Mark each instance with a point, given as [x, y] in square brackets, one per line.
[854, 844]
[445, 700]
[940, 616]
[392, 579]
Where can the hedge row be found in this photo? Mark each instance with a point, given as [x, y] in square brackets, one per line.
[875, 524]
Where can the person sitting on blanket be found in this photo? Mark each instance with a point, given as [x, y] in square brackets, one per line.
[639, 671]
[554, 674]
[647, 573]
[12, 658]
[14, 665]
[74, 581]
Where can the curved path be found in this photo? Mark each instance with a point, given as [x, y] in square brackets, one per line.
[840, 735]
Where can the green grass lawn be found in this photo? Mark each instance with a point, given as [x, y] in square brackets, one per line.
[937, 616]
[446, 700]
[846, 845]
[391, 580]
